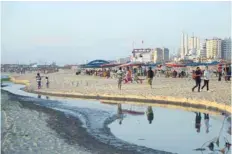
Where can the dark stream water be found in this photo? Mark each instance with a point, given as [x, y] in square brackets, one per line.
[138, 127]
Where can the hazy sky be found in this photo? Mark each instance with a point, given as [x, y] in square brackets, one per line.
[72, 32]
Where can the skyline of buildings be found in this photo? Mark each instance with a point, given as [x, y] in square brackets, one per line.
[208, 49]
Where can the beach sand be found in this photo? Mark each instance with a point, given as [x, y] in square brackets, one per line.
[66, 82]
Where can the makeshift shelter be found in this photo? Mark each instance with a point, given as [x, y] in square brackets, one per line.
[95, 64]
[109, 65]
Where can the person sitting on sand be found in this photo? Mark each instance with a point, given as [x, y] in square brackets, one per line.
[137, 79]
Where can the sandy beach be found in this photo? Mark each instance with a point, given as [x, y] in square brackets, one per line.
[170, 89]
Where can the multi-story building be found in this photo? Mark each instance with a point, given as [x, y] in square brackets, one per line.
[182, 46]
[188, 45]
[213, 48]
[158, 55]
[123, 60]
[201, 53]
[142, 55]
[165, 54]
[194, 43]
[226, 49]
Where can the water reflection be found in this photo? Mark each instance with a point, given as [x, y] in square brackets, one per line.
[120, 114]
[39, 96]
[150, 114]
[198, 122]
[206, 117]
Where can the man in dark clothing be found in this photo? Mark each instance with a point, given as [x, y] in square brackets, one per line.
[197, 77]
[150, 75]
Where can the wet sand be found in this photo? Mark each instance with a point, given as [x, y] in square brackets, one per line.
[29, 128]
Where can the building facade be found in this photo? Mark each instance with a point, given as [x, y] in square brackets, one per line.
[165, 54]
[188, 45]
[213, 48]
[201, 53]
[142, 55]
[226, 49]
[158, 55]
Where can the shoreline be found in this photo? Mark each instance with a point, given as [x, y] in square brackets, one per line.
[202, 104]
[70, 129]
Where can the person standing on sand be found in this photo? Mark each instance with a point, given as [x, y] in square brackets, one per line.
[206, 78]
[47, 82]
[120, 77]
[150, 75]
[38, 79]
[197, 77]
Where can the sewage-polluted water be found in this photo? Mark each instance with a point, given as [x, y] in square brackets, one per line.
[34, 123]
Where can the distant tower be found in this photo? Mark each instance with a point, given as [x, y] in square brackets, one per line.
[186, 44]
[182, 46]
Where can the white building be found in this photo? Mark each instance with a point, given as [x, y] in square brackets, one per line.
[142, 55]
[182, 46]
[201, 53]
[226, 49]
[188, 45]
[123, 60]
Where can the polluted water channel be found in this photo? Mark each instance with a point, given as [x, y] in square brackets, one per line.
[141, 127]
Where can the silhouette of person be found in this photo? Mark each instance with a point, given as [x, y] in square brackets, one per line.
[150, 114]
[47, 97]
[206, 117]
[39, 96]
[198, 122]
[120, 114]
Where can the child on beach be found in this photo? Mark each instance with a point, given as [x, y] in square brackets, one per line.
[47, 82]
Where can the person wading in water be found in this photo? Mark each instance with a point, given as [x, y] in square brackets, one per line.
[150, 75]
[197, 77]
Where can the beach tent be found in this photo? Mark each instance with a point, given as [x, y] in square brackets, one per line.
[109, 65]
[95, 64]
[131, 64]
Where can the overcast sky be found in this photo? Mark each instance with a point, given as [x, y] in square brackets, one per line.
[73, 32]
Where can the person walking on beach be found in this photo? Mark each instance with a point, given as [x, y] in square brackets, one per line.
[150, 75]
[47, 82]
[206, 78]
[38, 79]
[197, 77]
[120, 78]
